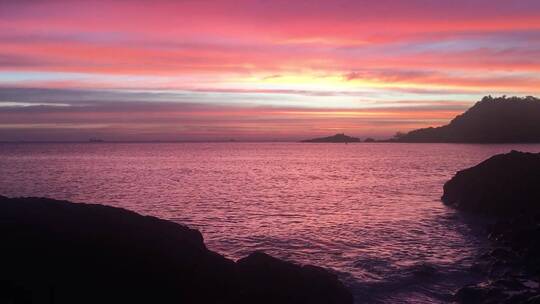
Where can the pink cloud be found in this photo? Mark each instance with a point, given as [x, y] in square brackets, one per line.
[417, 47]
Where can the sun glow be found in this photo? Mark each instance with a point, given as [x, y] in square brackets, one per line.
[381, 68]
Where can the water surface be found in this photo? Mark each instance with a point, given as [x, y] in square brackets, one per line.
[371, 212]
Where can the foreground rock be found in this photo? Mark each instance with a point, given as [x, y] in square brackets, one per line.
[60, 252]
[505, 184]
[506, 188]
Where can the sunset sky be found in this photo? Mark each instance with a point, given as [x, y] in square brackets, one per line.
[256, 70]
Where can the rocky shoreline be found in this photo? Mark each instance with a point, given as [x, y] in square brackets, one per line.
[506, 189]
[510, 265]
[62, 252]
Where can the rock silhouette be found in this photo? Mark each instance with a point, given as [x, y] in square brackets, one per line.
[505, 184]
[270, 280]
[491, 120]
[338, 138]
[60, 252]
[505, 188]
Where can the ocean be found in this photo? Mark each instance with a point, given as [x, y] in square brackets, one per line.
[369, 212]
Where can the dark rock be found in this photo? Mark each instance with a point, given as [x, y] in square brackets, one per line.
[509, 284]
[269, 280]
[60, 252]
[504, 185]
[533, 300]
[471, 294]
[502, 253]
[517, 298]
[424, 270]
[491, 120]
[338, 138]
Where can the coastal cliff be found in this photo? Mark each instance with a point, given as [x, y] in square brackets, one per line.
[61, 252]
[491, 120]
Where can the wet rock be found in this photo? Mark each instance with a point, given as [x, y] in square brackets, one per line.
[60, 252]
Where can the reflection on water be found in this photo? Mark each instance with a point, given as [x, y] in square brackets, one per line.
[371, 212]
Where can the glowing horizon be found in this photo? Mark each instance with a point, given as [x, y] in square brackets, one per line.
[250, 70]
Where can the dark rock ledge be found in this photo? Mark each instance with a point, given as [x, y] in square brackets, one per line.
[505, 188]
[60, 252]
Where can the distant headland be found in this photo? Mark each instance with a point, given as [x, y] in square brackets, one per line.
[491, 120]
[338, 138]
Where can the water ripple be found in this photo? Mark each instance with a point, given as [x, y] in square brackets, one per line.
[370, 212]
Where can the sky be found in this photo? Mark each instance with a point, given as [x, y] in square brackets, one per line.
[256, 70]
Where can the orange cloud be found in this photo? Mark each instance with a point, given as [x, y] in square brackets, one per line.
[337, 64]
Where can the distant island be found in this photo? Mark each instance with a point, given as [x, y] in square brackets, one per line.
[338, 138]
[491, 120]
